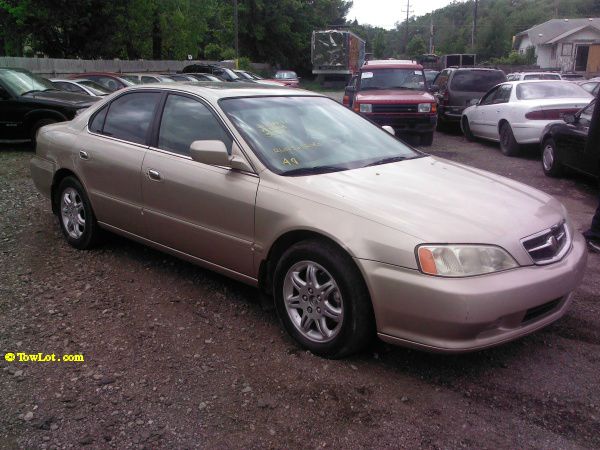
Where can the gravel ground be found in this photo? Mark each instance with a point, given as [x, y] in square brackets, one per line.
[179, 357]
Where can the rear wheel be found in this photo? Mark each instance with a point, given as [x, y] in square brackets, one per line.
[467, 129]
[550, 162]
[321, 299]
[508, 143]
[77, 220]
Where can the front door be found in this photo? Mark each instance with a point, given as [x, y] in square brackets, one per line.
[110, 157]
[201, 210]
[572, 143]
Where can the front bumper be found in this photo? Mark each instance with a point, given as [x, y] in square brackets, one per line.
[404, 123]
[450, 113]
[452, 315]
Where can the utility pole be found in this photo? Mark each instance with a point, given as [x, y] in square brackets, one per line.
[431, 36]
[235, 22]
[408, 13]
[474, 29]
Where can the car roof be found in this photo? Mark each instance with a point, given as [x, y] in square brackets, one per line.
[107, 74]
[391, 64]
[215, 90]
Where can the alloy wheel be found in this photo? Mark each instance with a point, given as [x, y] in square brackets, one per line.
[72, 213]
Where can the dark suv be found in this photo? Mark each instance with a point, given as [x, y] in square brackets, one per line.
[28, 102]
[458, 88]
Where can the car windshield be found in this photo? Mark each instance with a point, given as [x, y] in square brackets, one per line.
[550, 89]
[23, 82]
[288, 75]
[131, 78]
[392, 79]
[255, 76]
[476, 80]
[96, 88]
[306, 135]
[542, 76]
[430, 76]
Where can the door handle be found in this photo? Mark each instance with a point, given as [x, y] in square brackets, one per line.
[154, 175]
[83, 154]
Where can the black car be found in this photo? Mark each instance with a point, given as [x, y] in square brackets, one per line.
[457, 88]
[28, 102]
[564, 145]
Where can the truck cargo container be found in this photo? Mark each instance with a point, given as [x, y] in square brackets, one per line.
[336, 55]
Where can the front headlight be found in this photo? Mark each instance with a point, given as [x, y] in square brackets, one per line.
[424, 107]
[463, 260]
[366, 107]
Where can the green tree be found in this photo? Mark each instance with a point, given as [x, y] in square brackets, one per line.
[416, 46]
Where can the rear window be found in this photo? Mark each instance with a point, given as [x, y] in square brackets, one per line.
[559, 89]
[476, 80]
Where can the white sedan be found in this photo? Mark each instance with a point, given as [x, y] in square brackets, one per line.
[516, 112]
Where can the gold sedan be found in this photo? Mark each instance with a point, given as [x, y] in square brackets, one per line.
[351, 231]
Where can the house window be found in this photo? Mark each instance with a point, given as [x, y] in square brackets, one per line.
[567, 50]
[553, 52]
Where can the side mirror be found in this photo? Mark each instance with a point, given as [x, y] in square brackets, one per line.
[570, 118]
[434, 89]
[474, 102]
[389, 130]
[214, 153]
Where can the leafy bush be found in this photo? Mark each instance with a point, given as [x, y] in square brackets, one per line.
[227, 53]
[212, 51]
[244, 63]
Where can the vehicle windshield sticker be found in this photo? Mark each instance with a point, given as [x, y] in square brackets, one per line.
[273, 129]
[297, 148]
[290, 162]
[366, 75]
[417, 72]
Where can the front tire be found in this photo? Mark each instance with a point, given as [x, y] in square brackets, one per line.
[550, 162]
[466, 129]
[508, 143]
[427, 139]
[76, 217]
[321, 299]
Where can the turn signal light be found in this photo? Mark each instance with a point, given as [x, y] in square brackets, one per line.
[427, 262]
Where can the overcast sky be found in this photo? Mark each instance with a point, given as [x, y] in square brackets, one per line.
[384, 13]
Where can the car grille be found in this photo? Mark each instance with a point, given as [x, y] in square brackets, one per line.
[549, 245]
[391, 108]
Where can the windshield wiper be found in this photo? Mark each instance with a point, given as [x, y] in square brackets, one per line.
[30, 92]
[389, 159]
[313, 170]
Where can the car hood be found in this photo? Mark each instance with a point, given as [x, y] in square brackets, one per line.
[437, 201]
[394, 96]
[64, 98]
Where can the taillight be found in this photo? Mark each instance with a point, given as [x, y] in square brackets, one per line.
[434, 107]
[549, 114]
[445, 97]
[356, 107]
[346, 100]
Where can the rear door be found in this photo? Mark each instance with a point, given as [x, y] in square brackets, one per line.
[201, 210]
[110, 158]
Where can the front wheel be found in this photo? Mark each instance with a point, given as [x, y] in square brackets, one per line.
[508, 143]
[77, 220]
[427, 139]
[466, 128]
[550, 162]
[321, 299]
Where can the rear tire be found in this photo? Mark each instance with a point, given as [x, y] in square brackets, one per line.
[466, 129]
[550, 163]
[322, 300]
[508, 143]
[75, 215]
[427, 139]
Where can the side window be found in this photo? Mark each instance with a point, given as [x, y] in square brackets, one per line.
[76, 89]
[106, 82]
[586, 115]
[186, 120]
[442, 79]
[488, 98]
[147, 79]
[98, 120]
[502, 94]
[130, 116]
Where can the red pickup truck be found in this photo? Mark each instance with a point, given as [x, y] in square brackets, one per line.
[394, 93]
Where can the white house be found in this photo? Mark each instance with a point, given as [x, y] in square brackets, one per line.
[565, 44]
